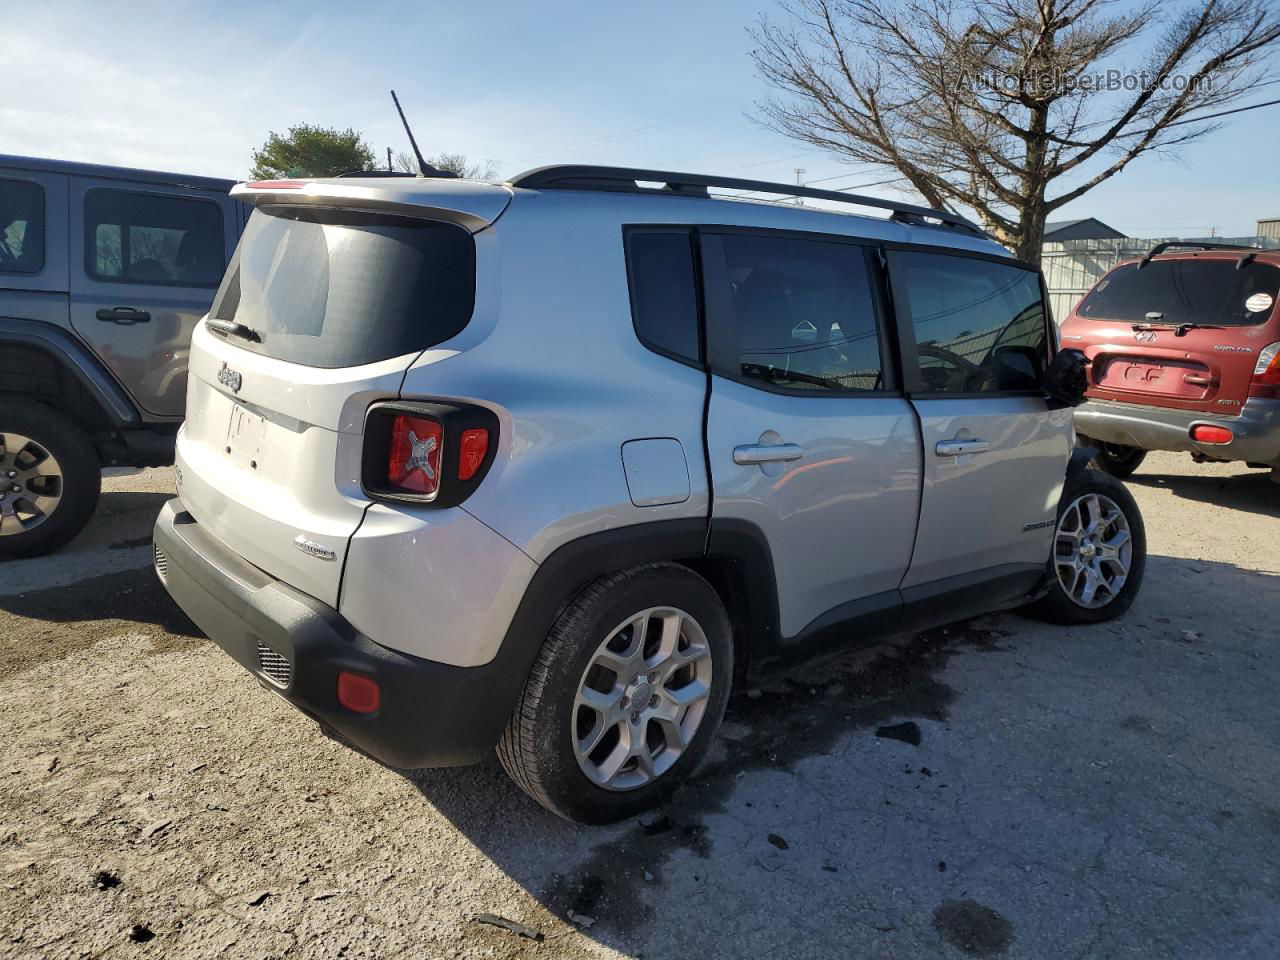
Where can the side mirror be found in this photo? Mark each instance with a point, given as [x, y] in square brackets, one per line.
[1067, 378]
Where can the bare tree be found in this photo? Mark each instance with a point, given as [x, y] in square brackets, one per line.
[453, 162]
[988, 105]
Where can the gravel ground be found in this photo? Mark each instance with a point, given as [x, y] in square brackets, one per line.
[1000, 788]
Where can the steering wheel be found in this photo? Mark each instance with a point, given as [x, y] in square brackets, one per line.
[967, 370]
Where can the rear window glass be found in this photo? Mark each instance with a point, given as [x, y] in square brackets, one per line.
[21, 227]
[1185, 291]
[335, 288]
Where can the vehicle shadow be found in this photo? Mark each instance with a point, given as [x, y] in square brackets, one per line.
[766, 852]
[1251, 492]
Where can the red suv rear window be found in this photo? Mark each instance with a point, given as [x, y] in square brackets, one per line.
[1206, 291]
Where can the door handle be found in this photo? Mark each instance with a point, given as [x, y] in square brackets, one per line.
[753, 453]
[1196, 380]
[958, 448]
[124, 316]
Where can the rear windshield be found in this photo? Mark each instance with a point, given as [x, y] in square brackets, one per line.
[338, 288]
[1185, 291]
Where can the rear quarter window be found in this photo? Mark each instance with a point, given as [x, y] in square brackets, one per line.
[21, 227]
[340, 288]
[1187, 290]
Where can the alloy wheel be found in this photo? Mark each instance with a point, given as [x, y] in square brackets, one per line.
[1093, 550]
[641, 698]
[30, 484]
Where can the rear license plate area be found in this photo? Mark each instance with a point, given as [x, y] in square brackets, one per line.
[244, 436]
[1186, 380]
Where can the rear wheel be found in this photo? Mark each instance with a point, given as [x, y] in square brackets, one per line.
[1099, 552]
[49, 478]
[625, 696]
[1116, 459]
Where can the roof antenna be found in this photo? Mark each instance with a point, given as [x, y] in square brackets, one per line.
[424, 169]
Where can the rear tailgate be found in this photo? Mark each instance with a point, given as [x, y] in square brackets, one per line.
[1128, 327]
[269, 457]
[335, 289]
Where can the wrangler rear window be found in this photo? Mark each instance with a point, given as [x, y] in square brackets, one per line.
[340, 288]
[1208, 291]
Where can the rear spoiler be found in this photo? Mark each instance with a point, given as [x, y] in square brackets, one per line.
[1160, 248]
[468, 203]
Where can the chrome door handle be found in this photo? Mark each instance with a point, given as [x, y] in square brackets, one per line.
[958, 448]
[752, 453]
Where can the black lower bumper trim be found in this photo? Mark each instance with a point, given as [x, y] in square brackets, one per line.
[430, 715]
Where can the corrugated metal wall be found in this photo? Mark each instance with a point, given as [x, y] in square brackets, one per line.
[1072, 267]
[1269, 228]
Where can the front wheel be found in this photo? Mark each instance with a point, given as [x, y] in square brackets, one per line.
[1099, 552]
[625, 695]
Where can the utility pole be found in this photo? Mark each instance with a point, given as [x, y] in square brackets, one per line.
[800, 172]
[389, 167]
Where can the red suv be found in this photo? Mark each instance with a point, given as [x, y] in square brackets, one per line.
[1184, 354]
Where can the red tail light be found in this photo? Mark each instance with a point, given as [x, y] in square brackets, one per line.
[1266, 373]
[1207, 433]
[472, 447]
[413, 459]
[358, 693]
[427, 453]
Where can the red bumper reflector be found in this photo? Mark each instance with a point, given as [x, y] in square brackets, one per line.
[357, 693]
[472, 447]
[1207, 433]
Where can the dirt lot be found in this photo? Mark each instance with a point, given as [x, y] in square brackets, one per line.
[1003, 788]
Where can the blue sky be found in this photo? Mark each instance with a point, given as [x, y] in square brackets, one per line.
[195, 87]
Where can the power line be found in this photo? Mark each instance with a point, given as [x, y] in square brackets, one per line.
[1224, 113]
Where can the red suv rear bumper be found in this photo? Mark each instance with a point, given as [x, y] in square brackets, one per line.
[1256, 429]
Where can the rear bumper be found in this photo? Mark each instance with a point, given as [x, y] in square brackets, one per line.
[1256, 429]
[430, 714]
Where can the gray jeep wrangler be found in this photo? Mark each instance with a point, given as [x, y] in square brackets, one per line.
[104, 272]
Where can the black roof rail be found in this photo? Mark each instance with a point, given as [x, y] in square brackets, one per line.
[628, 180]
[1160, 248]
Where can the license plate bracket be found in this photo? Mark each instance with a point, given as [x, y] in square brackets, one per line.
[244, 436]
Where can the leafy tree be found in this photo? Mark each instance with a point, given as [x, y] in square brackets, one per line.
[453, 162]
[311, 151]
[986, 104]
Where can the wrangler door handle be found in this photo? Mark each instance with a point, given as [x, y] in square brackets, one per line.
[958, 448]
[124, 316]
[753, 453]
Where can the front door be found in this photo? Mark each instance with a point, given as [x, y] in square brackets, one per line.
[810, 443]
[145, 264]
[975, 340]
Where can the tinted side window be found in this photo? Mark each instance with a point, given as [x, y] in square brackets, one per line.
[151, 238]
[664, 292]
[21, 227]
[979, 326]
[803, 313]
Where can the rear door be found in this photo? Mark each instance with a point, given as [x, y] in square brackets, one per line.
[145, 263]
[1207, 369]
[975, 339]
[810, 443]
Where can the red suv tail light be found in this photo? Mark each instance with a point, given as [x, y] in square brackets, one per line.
[413, 462]
[427, 453]
[1266, 373]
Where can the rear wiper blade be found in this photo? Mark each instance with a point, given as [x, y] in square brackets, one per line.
[1179, 329]
[230, 328]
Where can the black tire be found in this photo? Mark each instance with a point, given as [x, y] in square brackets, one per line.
[81, 476]
[536, 749]
[1057, 606]
[1116, 459]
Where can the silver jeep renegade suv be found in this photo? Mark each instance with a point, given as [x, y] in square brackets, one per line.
[554, 465]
